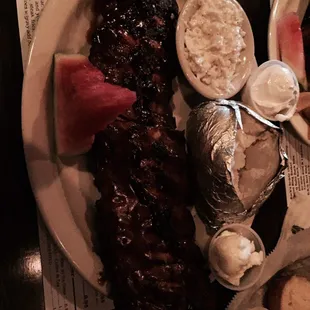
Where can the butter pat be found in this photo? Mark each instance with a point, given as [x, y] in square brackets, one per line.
[233, 256]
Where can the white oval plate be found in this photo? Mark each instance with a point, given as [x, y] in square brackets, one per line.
[64, 189]
[280, 7]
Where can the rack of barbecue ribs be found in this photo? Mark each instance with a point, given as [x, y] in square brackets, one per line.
[144, 228]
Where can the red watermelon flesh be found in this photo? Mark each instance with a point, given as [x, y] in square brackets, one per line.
[291, 46]
[84, 103]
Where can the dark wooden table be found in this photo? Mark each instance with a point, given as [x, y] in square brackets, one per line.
[20, 287]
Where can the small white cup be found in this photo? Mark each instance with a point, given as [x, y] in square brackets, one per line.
[248, 100]
[253, 274]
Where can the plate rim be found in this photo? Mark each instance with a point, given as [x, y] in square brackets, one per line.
[278, 7]
[33, 163]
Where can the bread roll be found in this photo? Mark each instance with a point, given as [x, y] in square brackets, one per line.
[289, 293]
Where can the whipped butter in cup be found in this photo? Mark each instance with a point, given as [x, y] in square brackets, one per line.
[236, 256]
[272, 91]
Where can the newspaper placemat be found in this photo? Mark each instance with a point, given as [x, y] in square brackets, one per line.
[28, 12]
[297, 176]
[63, 287]
[297, 185]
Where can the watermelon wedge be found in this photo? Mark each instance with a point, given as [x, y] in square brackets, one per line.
[83, 103]
[291, 46]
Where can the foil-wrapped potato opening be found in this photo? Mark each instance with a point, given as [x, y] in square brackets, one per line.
[238, 160]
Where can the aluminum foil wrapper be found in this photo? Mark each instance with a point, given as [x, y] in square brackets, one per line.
[211, 132]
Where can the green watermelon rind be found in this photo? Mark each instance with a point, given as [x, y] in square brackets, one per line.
[60, 147]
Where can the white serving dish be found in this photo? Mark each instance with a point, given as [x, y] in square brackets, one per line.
[280, 7]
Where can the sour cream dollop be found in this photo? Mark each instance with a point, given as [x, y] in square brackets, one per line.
[273, 91]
